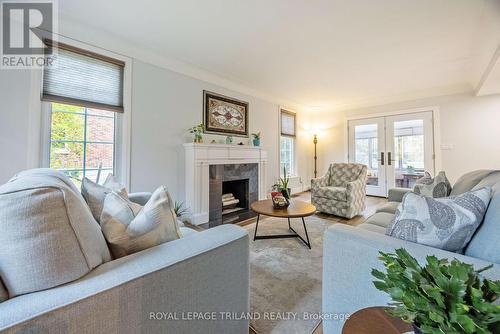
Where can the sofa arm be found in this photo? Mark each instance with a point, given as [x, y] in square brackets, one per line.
[152, 291]
[396, 194]
[140, 198]
[350, 253]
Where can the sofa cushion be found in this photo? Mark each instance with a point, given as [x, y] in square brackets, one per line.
[436, 187]
[468, 181]
[49, 236]
[129, 227]
[446, 223]
[95, 194]
[389, 207]
[373, 228]
[336, 193]
[484, 243]
[382, 219]
[186, 231]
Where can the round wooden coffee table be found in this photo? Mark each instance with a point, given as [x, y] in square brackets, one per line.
[296, 209]
[374, 320]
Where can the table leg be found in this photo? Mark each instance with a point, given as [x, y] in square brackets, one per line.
[256, 226]
[289, 226]
[307, 235]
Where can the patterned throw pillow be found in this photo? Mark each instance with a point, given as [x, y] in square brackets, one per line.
[95, 194]
[433, 187]
[446, 223]
[129, 227]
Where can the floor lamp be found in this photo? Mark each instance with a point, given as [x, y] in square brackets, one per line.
[315, 141]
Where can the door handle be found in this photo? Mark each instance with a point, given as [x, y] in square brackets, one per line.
[389, 158]
[382, 158]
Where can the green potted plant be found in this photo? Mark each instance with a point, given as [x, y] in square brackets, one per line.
[441, 297]
[256, 139]
[282, 185]
[197, 130]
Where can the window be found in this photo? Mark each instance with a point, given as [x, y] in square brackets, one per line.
[82, 141]
[287, 143]
[83, 105]
[366, 152]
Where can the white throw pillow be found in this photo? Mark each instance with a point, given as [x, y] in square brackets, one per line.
[129, 227]
[446, 223]
[436, 187]
[95, 194]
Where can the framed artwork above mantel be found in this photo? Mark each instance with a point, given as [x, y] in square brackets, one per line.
[224, 115]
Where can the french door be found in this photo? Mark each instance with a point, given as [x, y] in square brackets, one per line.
[397, 149]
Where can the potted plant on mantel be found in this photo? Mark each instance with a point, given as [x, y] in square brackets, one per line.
[440, 297]
[256, 138]
[197, 130]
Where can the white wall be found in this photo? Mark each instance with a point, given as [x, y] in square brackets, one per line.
[14, 120]
[471, 125]
[164, 105]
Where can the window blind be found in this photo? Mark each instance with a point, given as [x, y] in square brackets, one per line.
[84, 78]
[287, 123]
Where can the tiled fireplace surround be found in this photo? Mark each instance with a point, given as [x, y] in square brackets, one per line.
[208, 165]
[248, 192]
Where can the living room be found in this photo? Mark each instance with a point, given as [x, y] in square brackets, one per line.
[237, 166]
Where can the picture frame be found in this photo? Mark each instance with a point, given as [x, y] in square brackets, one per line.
[224, 115]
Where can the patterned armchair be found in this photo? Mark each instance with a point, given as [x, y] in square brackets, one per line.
[341, 191]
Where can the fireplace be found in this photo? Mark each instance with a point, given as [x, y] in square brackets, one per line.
[233, 187]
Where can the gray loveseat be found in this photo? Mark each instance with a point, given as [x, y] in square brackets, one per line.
[351, 252]
[163, 289]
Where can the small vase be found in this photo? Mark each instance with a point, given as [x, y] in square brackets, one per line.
[198, 139]
[286, 193]
[256, 142]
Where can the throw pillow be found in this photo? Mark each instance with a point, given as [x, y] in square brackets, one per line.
[95, 194]
[446, 223]
[48, 235]
[433, 187]
[129, 227]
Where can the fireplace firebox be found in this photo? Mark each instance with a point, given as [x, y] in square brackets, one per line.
[233, 187]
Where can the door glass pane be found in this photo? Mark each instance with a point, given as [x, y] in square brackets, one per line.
[408, 158]
[366, 150]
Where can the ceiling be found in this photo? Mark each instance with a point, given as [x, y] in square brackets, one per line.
[315, 54]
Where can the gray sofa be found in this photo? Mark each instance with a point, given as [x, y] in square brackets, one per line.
[159, 290]
[350, 252]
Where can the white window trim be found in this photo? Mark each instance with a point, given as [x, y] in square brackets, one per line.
[295, 162]
[38, 155]
[294, 156]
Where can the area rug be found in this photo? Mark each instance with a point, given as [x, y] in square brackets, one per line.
[285, 277]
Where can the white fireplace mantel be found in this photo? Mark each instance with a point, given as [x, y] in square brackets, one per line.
[199, 157]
